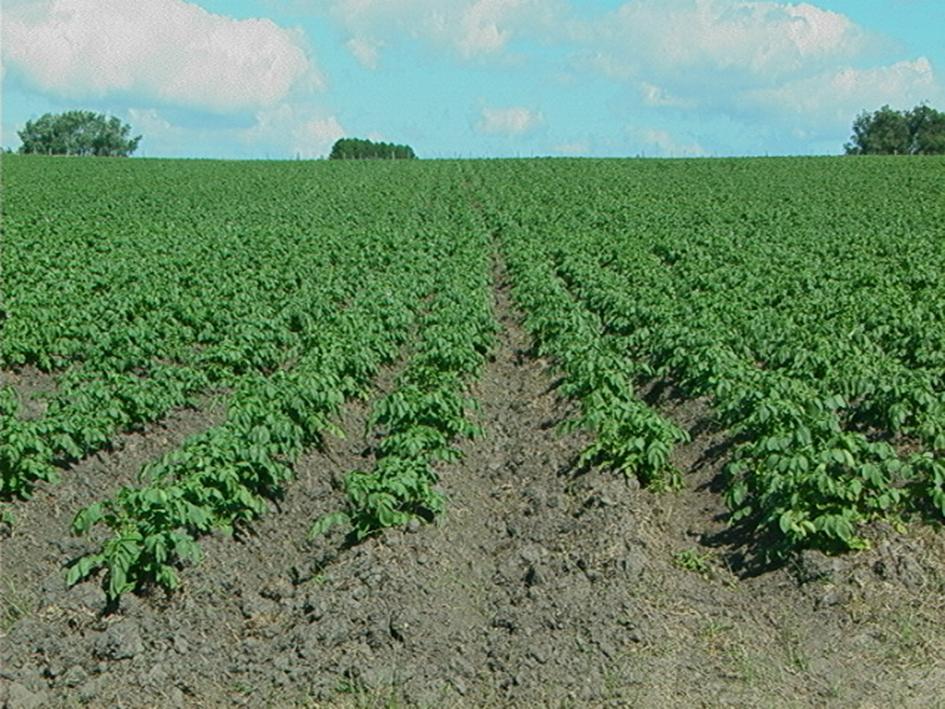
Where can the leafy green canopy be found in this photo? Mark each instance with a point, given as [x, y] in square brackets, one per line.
[78, 133]
[806, 320]
[920, 131]
[361, 149]
[803, 325]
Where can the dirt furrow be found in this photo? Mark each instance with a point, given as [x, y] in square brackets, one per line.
[542, 585]
[38, 542]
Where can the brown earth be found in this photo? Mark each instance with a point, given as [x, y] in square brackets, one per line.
[542, 585]
[32, 387]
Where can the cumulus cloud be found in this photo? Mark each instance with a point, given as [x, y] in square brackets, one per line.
[485, 26]
[834, 97]
[316, 136]
[470, 28]
[684, 53]
[513, 120]
[150, 121]
[365, 50]
[166, 50]
[293, 130]
[758, 40]
[666, 145]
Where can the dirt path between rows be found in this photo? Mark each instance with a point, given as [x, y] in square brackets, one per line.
[34, 547]
[541, 586]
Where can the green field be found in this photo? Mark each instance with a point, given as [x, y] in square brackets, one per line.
[801, 300]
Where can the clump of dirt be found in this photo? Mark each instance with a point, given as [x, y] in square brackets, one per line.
[33, 389]
[37, 543]
[541, 585]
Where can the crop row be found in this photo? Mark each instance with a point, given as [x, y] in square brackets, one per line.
[224, 476]
[138, 307]
[629, 436]
[826, 380]
[419, 421]
[810, 315]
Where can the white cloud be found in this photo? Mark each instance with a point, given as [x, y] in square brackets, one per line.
[513, 120]
[283, 131]
[657, 96]
[484, 28]
[150, 121]
[365, 50]
[316, 136]
[683, 53]
[667, 145]
[578, 147]
[166, 50]
[471, 28]
[764, 40]
[833, 98]
[291, 130]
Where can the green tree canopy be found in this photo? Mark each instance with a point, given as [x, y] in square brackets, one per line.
[78, 133]
[361, 149]
[920, 131]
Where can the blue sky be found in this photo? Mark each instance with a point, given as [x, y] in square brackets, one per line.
[473, 78]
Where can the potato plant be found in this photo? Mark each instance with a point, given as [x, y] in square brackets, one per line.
[809, 316]
[796, 312]
[420, 420]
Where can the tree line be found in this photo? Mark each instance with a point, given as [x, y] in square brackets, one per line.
[78, 133]
[920, 131]
[361, 149]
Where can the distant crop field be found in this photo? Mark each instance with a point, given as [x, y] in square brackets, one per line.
[489, 433]
[803, 299]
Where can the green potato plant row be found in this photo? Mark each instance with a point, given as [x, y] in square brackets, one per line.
[224, 477]
[800, 474]
[110, 267]
[82, 420]
[428, 410]
[891, 387]
[629, 435]
[803, 299]
[819, 346]
[141, 301]
[90, 407]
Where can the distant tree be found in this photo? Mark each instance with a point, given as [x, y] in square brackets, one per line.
[920, 131]
[927, 131]
[361, 149]
[78, 133]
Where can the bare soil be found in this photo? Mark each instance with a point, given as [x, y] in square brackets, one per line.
[542, 585]
[33, 388]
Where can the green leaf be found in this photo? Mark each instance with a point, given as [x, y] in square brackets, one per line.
[87, 518]
[83, 567]
[326, 522]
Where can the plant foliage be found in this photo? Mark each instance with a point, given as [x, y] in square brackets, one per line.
[808, 320]
[362, 149]
[78, 133]
[886, 131]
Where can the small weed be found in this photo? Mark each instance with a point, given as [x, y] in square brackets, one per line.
[7, 520]
[692, 560]
[242, 688]
[794, 650]
[14, 605]
[714, 630]
[744, 665]
[908, 642]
